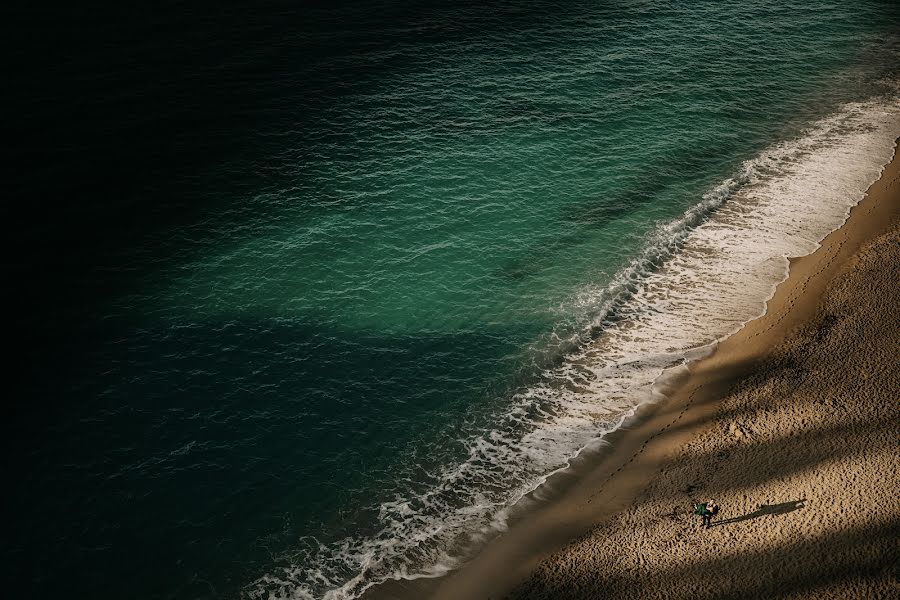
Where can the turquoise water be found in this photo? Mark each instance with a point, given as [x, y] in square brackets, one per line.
[451, 249]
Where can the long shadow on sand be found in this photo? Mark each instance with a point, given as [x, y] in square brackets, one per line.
[765, 510]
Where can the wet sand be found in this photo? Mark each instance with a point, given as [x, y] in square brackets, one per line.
[792, 426]
[802, 454]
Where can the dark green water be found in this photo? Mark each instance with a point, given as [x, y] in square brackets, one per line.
[318, 294]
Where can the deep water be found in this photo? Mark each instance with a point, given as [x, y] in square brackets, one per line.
[305, 296]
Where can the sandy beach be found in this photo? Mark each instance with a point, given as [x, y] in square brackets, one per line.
[792, 426]
[395, 300]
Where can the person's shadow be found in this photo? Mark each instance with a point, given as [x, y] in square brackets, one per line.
[763, 510]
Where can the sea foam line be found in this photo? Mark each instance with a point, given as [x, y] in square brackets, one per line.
[700, 278]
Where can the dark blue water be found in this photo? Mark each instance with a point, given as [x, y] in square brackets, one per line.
[305, 297]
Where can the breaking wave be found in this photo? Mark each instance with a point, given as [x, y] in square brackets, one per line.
[699, 279]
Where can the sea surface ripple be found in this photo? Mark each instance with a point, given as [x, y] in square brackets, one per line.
[452, 248]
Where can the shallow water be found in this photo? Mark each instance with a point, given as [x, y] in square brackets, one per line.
[360, 279]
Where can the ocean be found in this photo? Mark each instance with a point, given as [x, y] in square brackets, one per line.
[307, 297]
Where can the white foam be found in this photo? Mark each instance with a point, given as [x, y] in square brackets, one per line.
[700, 279]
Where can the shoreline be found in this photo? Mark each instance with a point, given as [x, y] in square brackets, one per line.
[595, 492]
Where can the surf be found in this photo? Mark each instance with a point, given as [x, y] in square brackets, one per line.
[699, 279]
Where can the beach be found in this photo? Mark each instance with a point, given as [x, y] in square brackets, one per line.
[392, 300]
[791, 426]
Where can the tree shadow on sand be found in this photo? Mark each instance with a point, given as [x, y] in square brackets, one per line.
[765, 510]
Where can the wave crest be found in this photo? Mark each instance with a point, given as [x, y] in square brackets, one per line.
[699, 279]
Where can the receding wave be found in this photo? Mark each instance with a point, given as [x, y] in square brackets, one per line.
[699, 279]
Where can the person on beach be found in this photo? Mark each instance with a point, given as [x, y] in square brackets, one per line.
[712, 509]
[700, 509]
[707, 510]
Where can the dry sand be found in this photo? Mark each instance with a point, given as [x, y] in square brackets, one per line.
[802, 454]
[792, 426]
